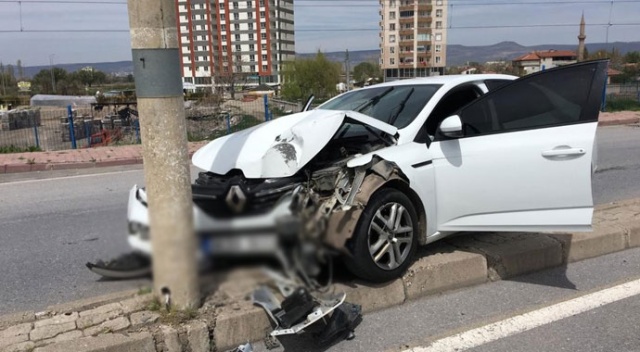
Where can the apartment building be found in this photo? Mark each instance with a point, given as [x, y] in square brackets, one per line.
[223, 41]
[413, 38]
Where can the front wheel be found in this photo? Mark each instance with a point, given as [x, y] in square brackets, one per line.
[385, 239]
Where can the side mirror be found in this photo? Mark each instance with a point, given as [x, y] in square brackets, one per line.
[451, 127]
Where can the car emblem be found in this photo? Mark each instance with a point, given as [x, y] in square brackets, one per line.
[236, 200]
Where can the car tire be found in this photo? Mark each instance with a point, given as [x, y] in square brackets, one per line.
[378, 241]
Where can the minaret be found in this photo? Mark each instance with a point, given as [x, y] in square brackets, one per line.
[581, 39]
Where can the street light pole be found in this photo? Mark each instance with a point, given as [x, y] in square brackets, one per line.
[157, 70]
[53, 80]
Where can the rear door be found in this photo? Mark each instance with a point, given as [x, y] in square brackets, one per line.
[524, 161]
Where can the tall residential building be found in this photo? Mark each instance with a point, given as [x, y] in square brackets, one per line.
[413, 38]
[220, 39]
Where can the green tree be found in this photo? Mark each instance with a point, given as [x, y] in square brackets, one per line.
[303, 77]
[632, 57]
[41, 82]
[88, 76]
[365, 70]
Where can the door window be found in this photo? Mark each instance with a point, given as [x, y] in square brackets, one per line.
[551, 98]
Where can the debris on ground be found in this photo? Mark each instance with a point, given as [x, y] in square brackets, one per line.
[126, 266]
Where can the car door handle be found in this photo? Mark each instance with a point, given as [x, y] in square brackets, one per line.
[564, 152]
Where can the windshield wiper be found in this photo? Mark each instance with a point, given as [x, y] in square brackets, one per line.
[373, 100]
[393, 118]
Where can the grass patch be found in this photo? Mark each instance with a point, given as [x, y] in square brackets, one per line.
[172, 316]
[622, 104]
[8, 149]
[143, 290]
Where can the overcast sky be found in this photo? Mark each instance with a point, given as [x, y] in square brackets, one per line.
[354, 26]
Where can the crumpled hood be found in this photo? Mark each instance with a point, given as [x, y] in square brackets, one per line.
[281, 147]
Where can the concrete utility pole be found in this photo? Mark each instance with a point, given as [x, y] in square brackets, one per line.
[53, 80]
[348, 69]
[156, 61]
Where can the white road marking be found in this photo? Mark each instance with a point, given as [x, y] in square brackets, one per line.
[11, 183]
[525, 322]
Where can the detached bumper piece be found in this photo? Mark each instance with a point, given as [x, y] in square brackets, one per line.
[126, 266]
[301, 309]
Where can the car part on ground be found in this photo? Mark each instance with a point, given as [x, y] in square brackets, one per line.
[126, 266]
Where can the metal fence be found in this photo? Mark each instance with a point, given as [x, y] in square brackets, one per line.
[51, 129]
[626, 90]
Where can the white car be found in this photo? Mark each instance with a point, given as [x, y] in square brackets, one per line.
[375, 172]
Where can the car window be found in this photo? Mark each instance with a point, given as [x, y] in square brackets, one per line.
[398, 105]
[493, 84]
[540, 100]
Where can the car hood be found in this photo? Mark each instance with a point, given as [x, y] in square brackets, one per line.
[281, 147]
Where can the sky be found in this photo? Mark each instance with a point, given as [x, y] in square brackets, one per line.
[100, 30]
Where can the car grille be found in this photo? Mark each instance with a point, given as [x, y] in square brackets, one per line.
[210, 193]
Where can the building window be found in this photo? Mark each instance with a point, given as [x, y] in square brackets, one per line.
[438, 13]
[438, 24]
[236, 26]
[438, 59]
[238, 48]
[221, 5]
[261, 3]
[252, 47]
[264, 57]
[392, 27]
[253, 68]
[264, 46]
[263, 35]
[224, 48]
[252, 58]
[235, 4]
[392, 61]
[438, 48]
[438, 37]
[250, 26]
[250, 36]
[438, 2]
[236, 16]
[223, 27]
[265, 68]
[223, 37]
[392, 15]
[206, 68]
[249, 15]
[262, 14]
[392, 50]
[237, 37]
[222, 18]
[249, 4]
[392, 38]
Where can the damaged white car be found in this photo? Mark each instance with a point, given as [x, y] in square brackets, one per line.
[375, 172]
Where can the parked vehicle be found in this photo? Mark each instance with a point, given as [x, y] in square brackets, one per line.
[373, 173]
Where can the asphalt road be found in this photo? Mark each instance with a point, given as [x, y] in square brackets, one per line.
[52, 223]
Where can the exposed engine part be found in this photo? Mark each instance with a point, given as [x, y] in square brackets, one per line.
[126, 266]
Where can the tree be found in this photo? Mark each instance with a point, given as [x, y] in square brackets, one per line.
[303, 77]
[20, 69]
[365, 70]
[41, 82]
[89, 76]
[632, 57]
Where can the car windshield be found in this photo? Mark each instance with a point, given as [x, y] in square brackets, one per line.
[396, 105]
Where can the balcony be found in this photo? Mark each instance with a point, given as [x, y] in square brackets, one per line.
[425, 7]
[406, 31]
[406, 41]
[425, 19]
[404, 20]
[405, 54]
[407, 7]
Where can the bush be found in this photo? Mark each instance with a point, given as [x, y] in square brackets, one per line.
[8, 149]
[622, 104]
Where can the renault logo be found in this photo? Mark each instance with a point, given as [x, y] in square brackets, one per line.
[236, 200]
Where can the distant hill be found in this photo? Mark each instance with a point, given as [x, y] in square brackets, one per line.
[119, 68]
[457, 55]
[460, 54]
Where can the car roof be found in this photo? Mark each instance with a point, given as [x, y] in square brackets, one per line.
[446, 80]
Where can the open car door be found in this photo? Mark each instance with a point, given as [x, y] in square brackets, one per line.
[523, 160]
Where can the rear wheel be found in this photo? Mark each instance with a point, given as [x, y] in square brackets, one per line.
[385, 239]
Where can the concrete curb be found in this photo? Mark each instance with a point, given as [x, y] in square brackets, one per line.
[619, 121]
[455, 263]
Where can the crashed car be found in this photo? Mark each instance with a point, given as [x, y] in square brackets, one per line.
[375, 172]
